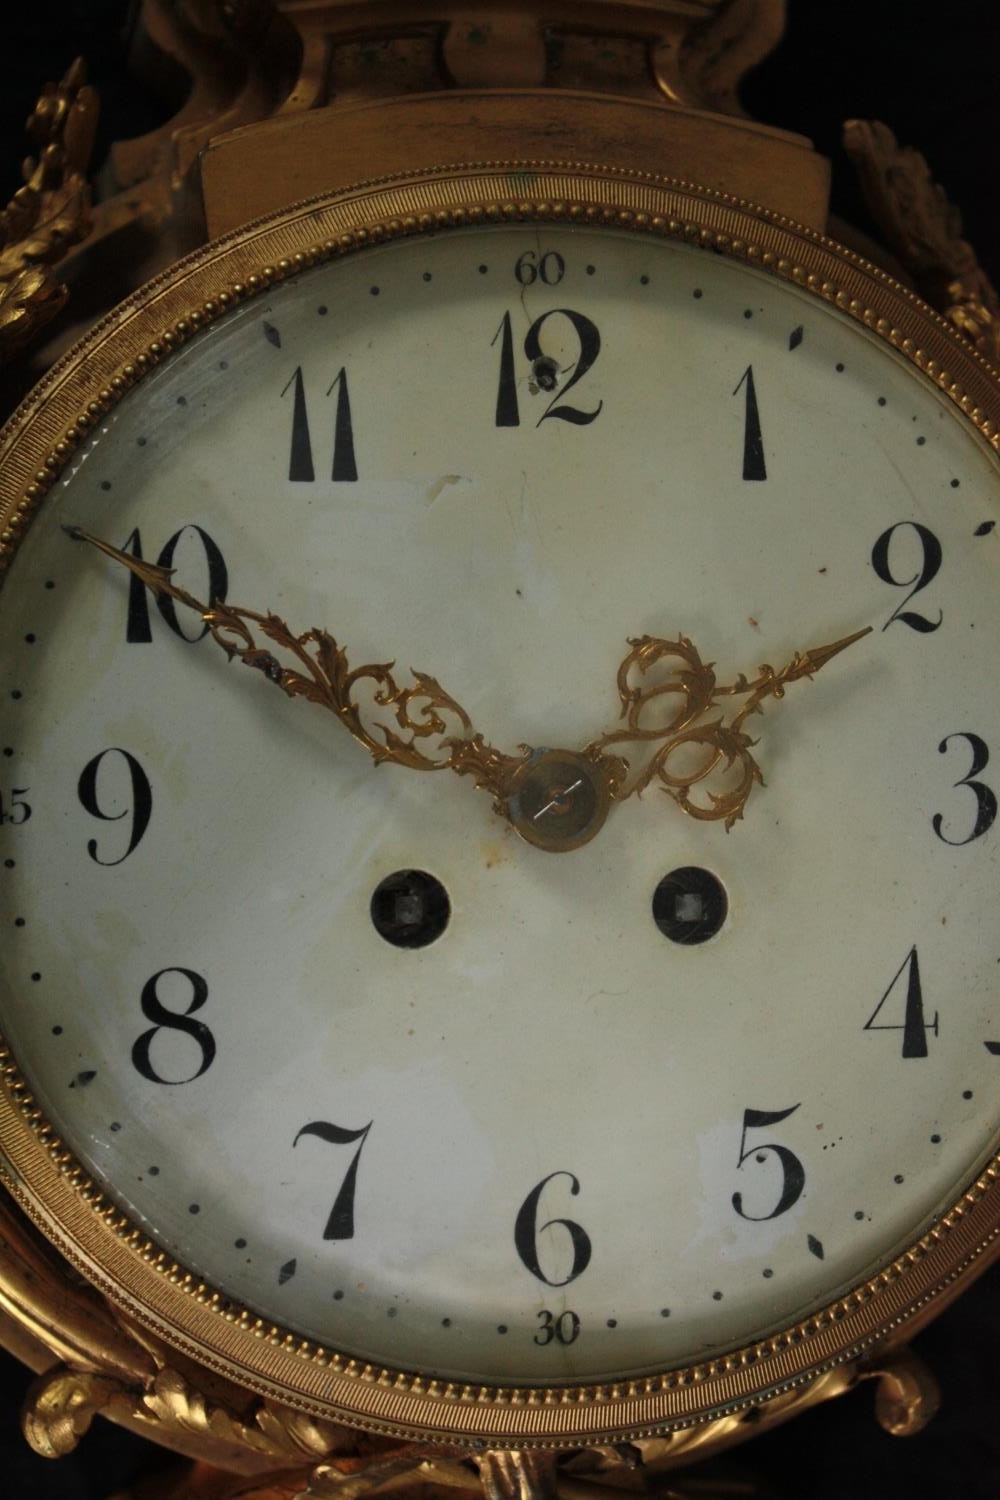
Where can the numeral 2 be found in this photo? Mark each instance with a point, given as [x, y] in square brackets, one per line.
[930, 563]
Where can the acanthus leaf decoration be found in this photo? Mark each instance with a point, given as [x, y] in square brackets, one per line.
[924, 229]
[50, 212]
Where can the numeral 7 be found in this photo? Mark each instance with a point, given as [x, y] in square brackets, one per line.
[340, 1224]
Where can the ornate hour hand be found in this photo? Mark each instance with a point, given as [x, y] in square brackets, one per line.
[691, 749]
[555, 799]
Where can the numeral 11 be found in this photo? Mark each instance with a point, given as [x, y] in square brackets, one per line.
[300, 462]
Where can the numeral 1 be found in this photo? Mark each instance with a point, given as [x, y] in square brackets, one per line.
[753, 442]
[507, 412]
[300, 462]
[344, 466]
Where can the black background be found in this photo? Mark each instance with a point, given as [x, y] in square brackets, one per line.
[930, 72]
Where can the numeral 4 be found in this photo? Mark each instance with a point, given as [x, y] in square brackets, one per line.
[913, 1026]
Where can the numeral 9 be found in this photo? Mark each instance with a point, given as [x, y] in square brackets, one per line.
[139, 805]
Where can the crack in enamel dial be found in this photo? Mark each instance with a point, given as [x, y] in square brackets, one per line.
[368, 1063]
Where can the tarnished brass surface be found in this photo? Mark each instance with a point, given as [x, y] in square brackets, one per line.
[307, 154]
[394, 84]
[692, 52]
[50, 212]
[278, 100]
[223, 1355]
[924, 229]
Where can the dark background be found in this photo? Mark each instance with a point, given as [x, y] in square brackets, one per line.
[930, 71]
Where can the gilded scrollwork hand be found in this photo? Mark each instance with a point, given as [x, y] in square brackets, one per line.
[554, 799]
[667, 692]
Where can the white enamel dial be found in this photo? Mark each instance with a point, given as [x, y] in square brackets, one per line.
[552, 1144]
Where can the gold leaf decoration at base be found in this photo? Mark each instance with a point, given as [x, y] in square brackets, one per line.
[268, 1429]
[350, 1478]
[50, 212]
[924, 229]
[178, 1402]
[60, 1407]
[908, 1394]
[514, 1475]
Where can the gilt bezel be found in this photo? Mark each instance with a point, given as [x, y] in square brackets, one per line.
[42, 1176]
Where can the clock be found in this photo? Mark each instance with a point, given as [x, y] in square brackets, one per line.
[639, 1099]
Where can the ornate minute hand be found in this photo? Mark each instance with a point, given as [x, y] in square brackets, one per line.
[697, 748]
[554, 799]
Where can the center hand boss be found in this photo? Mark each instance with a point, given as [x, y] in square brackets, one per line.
[555, 799]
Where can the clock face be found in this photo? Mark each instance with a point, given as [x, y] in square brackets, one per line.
[331, 1033]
